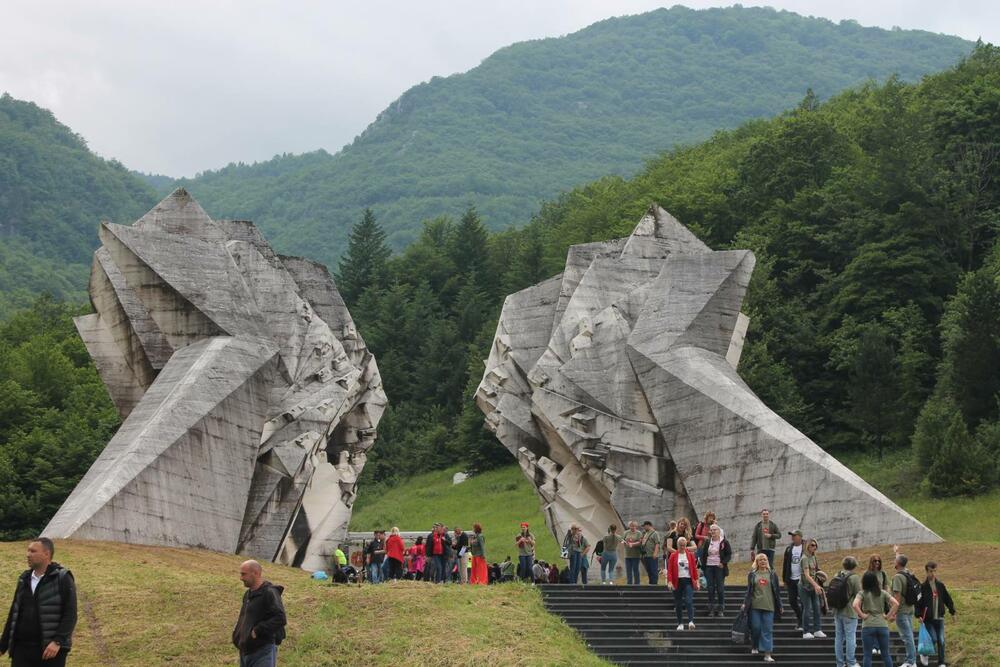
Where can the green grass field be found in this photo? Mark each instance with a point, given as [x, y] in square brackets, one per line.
[499, 500]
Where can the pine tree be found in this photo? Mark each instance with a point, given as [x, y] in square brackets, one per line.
[365, 264]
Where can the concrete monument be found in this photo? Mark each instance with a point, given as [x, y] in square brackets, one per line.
[615, 386]
[249, 400]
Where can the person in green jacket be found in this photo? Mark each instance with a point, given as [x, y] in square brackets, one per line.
[765, 535]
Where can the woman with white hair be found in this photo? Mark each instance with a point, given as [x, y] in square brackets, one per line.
[763, 603]
[713, 557]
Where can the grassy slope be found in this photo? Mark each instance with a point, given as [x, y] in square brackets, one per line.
[498, 500]
[154, 606]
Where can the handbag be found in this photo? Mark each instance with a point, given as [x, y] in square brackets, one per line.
[925, 644]
[741, 628]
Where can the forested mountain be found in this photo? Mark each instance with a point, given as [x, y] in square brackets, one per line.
[539, 117]
[53, 193]
[875, 304]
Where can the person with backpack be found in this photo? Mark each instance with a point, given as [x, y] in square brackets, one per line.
[906, 591]
[42, 616]
[260, 627]
[609, 554]
[633, 553]
[703, 531]
[649, 544]
[763, 603]
[811, 594]
[877, 609]
[682, 579]
[713, 557]
[765, 537]
[576, 546]
[840, 594]
[934, 599]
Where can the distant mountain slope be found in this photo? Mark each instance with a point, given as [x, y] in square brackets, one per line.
[539, 117]
[53, 193]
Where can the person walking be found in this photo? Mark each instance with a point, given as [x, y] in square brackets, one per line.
[42, 616]
[609, 555]
[811, 593]
[713, 557]
[649, 545]
[682, 528]
[763, 603]
[870, 605]
[633, 553]
[934, 599]
[525, 542]
[682, 579]
[703, 531]
[394, 552]
[260, 627]
[845, 639]
[903, 582]
[460, 545]
[477, 547]
[576, 545]
[791, 574]
[765, 536]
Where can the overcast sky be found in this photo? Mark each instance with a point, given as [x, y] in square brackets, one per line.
[179, 87]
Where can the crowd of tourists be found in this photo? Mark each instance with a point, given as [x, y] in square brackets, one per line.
[39, 627]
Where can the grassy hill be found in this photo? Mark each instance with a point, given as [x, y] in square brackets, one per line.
[145, 606]
[539, 117]
[53, 193]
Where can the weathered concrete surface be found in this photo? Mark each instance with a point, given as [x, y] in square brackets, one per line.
[626, 404]
[249, 400]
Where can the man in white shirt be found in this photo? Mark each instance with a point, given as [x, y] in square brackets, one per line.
[791, 573]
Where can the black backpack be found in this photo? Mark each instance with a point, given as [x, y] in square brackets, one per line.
[836, 593]
[599, 548]
[911, 594]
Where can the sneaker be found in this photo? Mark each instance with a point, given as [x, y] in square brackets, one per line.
[807, 635]
[680, 627]
[798, 628]
[819, 634]
[691, 625]
[924, 660]
[754, 651]
[768, 658]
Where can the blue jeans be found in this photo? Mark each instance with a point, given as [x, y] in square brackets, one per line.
[265, 657]
[935, 627]
[440, 568]
[904, 623]
[575, 558]
[770, 556]
[762, 630]
[872, 637]
[652, 569]
[715, 581]
[811, 614]
[684, 597]
[524, 564]
[632, 571]
[374, 572]
[609, 561]
[845, 643]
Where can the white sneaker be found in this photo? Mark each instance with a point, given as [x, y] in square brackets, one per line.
[768, 658]
[691, 625]
[680, 627]
[924, 660]
[819, 634]
[807, 635]
[754, 651]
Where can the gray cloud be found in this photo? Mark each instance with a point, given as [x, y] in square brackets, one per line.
[184, 86]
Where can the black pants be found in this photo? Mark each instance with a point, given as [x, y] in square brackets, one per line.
[22, 655]
[794, 602]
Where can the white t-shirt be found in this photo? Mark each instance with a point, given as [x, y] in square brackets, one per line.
[34, 581]
[683, 567]
[797, 562]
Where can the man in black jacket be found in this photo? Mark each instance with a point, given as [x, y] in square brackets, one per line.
[791, 574]
[39, 628]
[261, 625]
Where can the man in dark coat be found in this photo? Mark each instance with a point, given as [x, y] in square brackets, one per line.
[261, 625]
[39, 628]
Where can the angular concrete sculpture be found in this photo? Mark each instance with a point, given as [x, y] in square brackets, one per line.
[615, 386]
[249, 400]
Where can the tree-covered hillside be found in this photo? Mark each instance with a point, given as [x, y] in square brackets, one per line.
[539, 117]
[53, 193]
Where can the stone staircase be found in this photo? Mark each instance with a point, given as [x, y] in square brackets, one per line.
[636, 625]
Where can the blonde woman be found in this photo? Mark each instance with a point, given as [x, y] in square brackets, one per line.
[763, 605]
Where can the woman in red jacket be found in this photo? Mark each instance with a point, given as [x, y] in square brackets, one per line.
[682, 579]
[394, 550]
